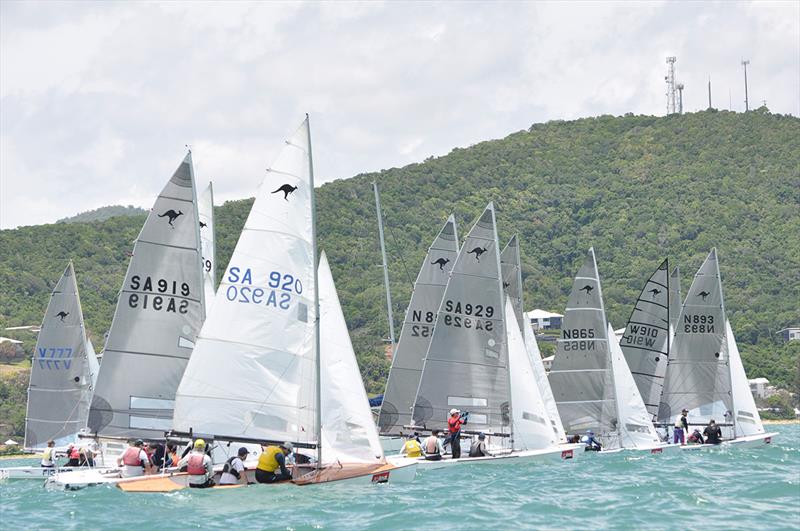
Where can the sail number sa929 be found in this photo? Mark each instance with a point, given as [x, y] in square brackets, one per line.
[467, 315]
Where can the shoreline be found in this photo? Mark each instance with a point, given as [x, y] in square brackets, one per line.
[781, 421]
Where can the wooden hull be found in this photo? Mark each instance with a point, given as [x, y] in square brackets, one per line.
[390, 472]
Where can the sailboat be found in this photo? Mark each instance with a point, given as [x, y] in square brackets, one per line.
[205, 211]
[160, 309]
[478, 362]
[511, 272]
[415, 336]
[705, 373]
[591, 381]
[63, 373]
[260, 373]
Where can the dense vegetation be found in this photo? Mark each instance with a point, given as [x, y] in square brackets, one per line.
[637, 188]
[103, 213]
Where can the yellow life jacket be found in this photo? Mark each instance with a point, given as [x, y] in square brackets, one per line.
[267, 461]
[412, 448]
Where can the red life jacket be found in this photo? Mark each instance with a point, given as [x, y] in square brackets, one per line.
[131, 457]
[74, 453]
[454, 424]
[195, 466]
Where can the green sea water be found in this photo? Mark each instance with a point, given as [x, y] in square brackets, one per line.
[736, 488]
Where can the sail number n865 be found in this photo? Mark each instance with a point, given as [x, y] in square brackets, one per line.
[278, 292]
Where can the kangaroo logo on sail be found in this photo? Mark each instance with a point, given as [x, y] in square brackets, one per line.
[478, 252]
[423, 323]
[703, 294]
[641, 336]
[280, 289]
[698, 324]
[441, 262]
[160, 295]
[468, 315]
[286, 189]
[61, 315]
[578, 338]
[655, 292]
[587, 288]
[171, 216]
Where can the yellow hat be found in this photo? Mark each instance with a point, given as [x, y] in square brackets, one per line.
[199, 443]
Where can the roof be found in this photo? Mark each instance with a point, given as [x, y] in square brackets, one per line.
[549, 358]
[790, 329]
[9, 340]
[541, 314]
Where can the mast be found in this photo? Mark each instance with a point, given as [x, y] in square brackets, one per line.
[316, 295]
[385, 265]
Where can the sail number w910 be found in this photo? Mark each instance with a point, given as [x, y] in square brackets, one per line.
[278, 292]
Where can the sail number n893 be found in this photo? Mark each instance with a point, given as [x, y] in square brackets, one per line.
[278, 292]
[698, 324]
[466, 315]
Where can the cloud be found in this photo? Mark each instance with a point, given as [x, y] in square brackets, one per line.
[98, 100]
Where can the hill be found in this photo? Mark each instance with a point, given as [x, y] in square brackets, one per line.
[103, 213]
[637, 188]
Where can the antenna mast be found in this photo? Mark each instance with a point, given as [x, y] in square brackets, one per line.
[709, 92]
[680, 98]
[670, 79]
[745, 62]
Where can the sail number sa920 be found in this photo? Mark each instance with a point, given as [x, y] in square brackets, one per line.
[278, 292]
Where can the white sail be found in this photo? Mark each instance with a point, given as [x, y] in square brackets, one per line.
[63, 369]
[404, 376]
[348, 429]
[94, 364]
[511, 267]
[157, 318]
[532, 429]
[645, 342]
[205, 208]
[635, 426]
[747, 421]
[675, 300]
[253, 371]
[540, 377]
[466, 365]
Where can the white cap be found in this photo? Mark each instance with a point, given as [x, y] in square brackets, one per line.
[453, 411]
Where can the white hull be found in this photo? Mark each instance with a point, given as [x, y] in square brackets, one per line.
[565, 452]
[742, 442]
[392, 444]
[36, 472]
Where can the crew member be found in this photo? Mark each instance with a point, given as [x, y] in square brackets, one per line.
[592, 444]
[478, 447]
[233, 472]
[199, 466]
[74, 455]
[49, 456]
[454, 424]
[681, 428]
[433, 447]
[695, 438]
[134, 461]
[270, 460]
[411, 448]
[713, 433]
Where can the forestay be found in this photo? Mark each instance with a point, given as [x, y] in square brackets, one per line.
[540, 377]
[466, 365]
[253, 370]
[512, 277]
[63, 370]
[205, 209]
[348, 429]
[581, 377]
[415, 337]
[532, 428]
[158, 316]
[645, 342]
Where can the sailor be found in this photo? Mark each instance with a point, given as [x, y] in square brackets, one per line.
[86, 457]
[454, 424]
[49, 455]
[592, 444]
[681, 428]
[233, 472]
[172, 455]
[270, 460]
[411, 448]
[695, 438]
[134, 461]
[433, 447]
[199, 466]
[712, 433]
[478, 447]
[74, 455]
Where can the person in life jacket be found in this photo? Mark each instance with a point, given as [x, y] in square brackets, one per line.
[433, 447]
[199, 466]
[233, 472]
[134, 461]
[74, 455]
[696, 437]
[49, 456]
[681, 428]
[270, 460]
[478, 447]
[592, 444]
[172, 455]
[454, 424]
[411, 448]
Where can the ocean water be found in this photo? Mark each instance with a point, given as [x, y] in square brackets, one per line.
[736, 488]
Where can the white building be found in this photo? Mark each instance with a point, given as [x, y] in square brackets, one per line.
[790, 334]
[548, 362]
[758, 386]
[542, 320]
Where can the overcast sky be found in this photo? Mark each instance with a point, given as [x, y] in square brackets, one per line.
[98, 99]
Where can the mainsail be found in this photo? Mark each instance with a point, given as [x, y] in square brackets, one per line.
[348, 429]
[645, 342]
[675, 300]
[466, 365]
[63, 370]
[205, 209]
[404, 376]
[540, 377]
[253, 371]
[157, 319]
[511, 268]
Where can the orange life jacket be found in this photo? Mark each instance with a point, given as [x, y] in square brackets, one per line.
[74, 453]
[195, 466]
[131, 457]
[454, 424]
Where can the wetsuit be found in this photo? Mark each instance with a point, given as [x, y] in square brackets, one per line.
[713, 434]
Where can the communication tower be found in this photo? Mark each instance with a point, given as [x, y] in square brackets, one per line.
[745, 62]
[680, 98]
[670, 79]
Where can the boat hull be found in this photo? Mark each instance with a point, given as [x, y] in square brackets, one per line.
[34, 472]
[394, 471]
[751, 441]
[565, 452]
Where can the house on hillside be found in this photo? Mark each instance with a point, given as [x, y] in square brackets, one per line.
[542, 320]
[759, 387]
[790, 334]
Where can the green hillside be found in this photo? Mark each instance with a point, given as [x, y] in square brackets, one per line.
[103, 213]
[637, 188]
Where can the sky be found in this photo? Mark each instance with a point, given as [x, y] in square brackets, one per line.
[98, 100]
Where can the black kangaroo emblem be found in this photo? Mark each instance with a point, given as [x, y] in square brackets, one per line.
[587, 288]
[506, 285]
[441, 262]
[655, 291]
[286, 189]
[478, 252]
[172, 215]
[61, 315]
[704, 294]
[203, 225]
